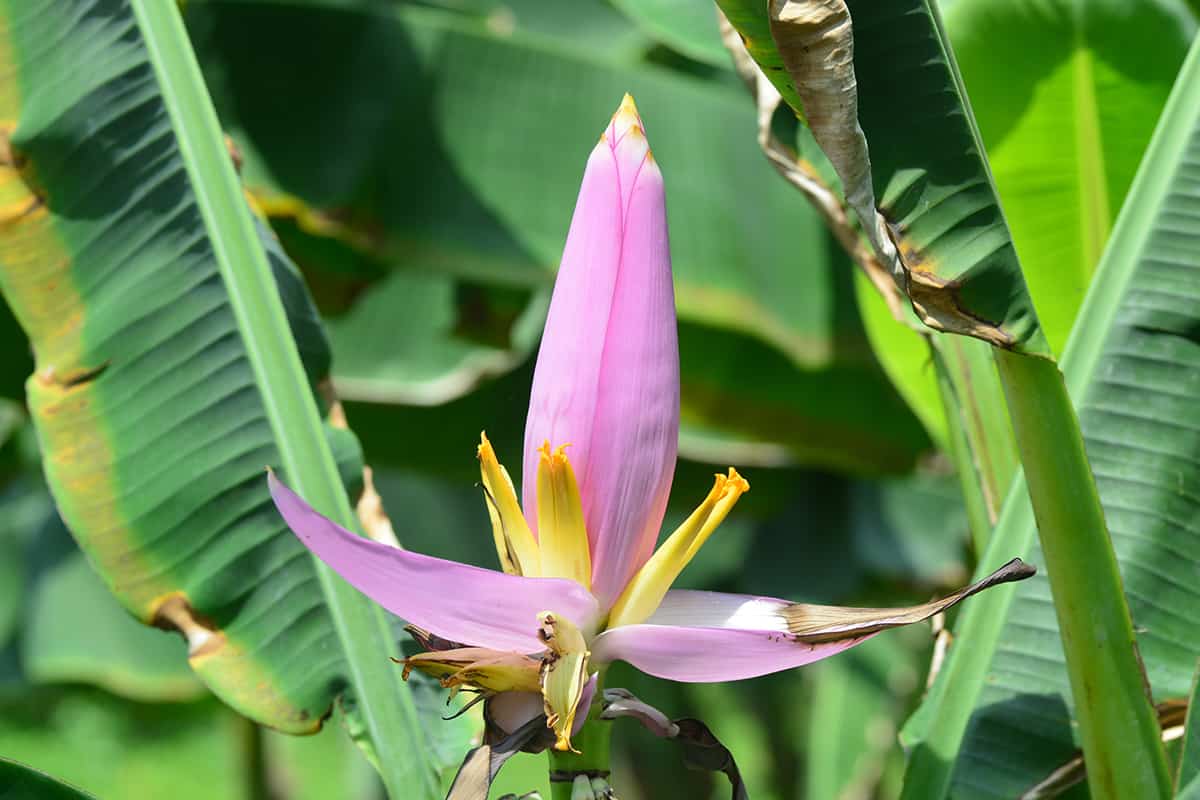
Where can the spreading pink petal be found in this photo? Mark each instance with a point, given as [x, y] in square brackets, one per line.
[710, 636]
[710, 655]
[702, 637]
[462, 603]
[607, 376]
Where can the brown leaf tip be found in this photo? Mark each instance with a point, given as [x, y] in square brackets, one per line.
[1015, 570]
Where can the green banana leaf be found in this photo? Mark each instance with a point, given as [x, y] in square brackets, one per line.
[683, 25]
[75, 632]
[1131, 352]
[1188, 773]
[592, 26]
[114, 748]
[19, 782]
[1068, 122]
[166, 375]
[932, 185]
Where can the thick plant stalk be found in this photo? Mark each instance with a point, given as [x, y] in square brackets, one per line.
[1112, 699]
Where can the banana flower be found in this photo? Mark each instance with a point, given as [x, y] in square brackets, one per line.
[582, 584]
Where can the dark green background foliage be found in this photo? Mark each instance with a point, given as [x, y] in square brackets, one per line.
[418, 163]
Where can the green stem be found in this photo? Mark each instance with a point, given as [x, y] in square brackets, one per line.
[593, 743]
[1120, 734]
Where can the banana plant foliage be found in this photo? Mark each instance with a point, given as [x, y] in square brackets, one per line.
[165, 323]
[906, 71]
[1131, 354]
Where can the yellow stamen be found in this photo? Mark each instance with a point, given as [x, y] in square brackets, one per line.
[562, 535]
[648, 587]
[515, 544]
[564, 674]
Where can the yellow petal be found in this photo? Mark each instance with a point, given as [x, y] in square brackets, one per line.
[562, 535]
[480, 668]
[564, 674]
[515, 544]
[648, 587]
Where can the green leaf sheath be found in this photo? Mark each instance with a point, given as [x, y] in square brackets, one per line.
[167, 374]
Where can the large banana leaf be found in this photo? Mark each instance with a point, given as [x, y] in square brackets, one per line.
[1064, 129]
[932, 185]
[689, 27]
[114, 748]
[1130, 358]
[166, 376]
[19, 782]
[506, 181]
[1066, 124]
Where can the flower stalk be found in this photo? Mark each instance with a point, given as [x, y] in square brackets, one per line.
[592, 761]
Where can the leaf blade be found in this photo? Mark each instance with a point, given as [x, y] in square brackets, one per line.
[138, 272]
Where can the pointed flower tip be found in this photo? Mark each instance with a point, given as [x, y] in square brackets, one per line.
[627, 113]
[626, 127]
